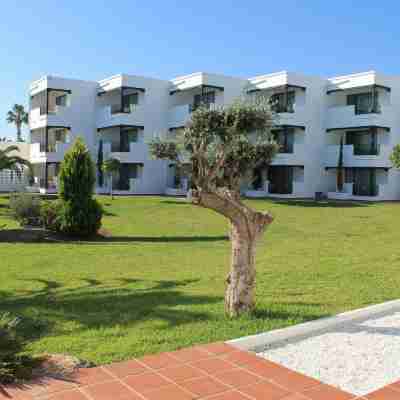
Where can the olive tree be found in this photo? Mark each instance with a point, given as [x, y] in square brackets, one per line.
[395, 156]
[222, 147]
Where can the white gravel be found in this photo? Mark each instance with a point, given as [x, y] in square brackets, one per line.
[358, 357]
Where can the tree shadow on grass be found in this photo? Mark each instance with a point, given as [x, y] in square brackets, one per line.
[321, 204]
[42, 236]
[182, 201]
[156, 239]
[98, 305]
[297, 314]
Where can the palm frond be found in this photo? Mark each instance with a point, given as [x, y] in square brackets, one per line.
[8, 149]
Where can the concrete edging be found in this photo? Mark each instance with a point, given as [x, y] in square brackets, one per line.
[307, 329]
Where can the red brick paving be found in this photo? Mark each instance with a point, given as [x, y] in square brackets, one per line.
[215, 371]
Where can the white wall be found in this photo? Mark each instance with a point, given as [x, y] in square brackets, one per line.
[312, 110]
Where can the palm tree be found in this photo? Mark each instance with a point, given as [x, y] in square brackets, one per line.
[19, 117]
[12, 162]
[109, 167]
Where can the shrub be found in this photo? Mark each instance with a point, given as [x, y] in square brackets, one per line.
[78, 214]
[80, 219]
[25, 208]
[14, 365]
[50, 212]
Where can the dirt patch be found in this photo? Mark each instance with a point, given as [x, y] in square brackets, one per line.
[60, 366]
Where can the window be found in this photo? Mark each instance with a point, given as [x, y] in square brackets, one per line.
[364, 103]
[61, 101]
[204, 99]
[129, 101]
[285, 139]
[364, 142]
[283, 102]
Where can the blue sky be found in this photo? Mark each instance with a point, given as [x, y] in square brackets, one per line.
[167, 38]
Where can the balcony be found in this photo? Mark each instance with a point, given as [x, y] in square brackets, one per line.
[138, 153]
[58, 116]
[109, 116]
[294, 115]
[339, 117]
[54, 155]
[296, 157]
[179, 115]
[359, 156]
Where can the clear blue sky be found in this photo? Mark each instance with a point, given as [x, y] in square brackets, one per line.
[167, 38]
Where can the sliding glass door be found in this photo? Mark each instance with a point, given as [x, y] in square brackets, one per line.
[364, 182]
[280, 180]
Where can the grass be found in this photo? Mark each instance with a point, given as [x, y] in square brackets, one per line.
[158, 283]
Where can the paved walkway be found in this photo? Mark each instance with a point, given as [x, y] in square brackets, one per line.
[210, 372]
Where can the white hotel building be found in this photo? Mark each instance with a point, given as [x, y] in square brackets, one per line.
[124, 112]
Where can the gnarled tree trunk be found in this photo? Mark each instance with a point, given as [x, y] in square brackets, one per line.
[247, 227]
[241, 280]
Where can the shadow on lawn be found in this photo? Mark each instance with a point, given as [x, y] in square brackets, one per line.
[182, 201]
[99, 305]
[321, 204]
[156, 239]
[41, 236]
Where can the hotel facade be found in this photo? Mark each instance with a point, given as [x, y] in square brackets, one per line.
[123, 113]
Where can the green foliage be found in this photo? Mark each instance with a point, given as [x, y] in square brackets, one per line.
[9, 160]
[395, 156]
[25, 208]
[222, 145]
[77, 220]
[340, 168]
[78, 213]
[18, 116]
[50, 212]
[111, 165]
[100, 163]
[77, 174]
[14, 365]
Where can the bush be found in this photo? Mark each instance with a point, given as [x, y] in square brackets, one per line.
[78, 213]
[14, 365]
[50, 212]
[79, 219]
[25, 208]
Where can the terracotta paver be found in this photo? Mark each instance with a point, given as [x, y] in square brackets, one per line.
[145, 382]
[386, 393]
[204, 387]
[215, 371]
[109, 390]
[126, 368]
[266, 390]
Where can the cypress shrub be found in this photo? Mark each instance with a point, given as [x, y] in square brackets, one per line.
[79, 214]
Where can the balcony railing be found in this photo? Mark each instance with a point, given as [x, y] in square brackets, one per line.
[365, 150]
[367, 109]
[118, 109]
[283, 108]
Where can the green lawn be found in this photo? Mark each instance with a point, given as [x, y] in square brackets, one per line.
[158, 283]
